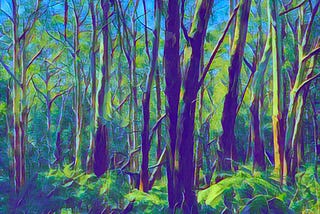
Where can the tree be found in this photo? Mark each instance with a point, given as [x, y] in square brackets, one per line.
[171, 60]
[146, 141]
[227, 140]
[93, 67]
[302, 75]
[278, 117]
[21, 82]
[185, 140]
[257, 85]
[100, 155]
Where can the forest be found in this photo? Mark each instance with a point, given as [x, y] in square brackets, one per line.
[159, 106]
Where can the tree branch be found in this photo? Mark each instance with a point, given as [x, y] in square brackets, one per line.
[156, 126]
[10, 72]
[59, 94]
[216, 49]
[5, 13]
[184, 29]
[34, 58]
[311, 54]
[244, 92]
[248, 65]
[38, 90]
[293, 8]
[304, 83]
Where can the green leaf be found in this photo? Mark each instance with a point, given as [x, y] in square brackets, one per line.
[68, 171]
[258, 204]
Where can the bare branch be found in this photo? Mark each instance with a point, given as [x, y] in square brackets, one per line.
[34, 58]
[184, 29]
[311, 54]
[5, 13]
[123, 102]
[38, 90]
[244, 92]
[59, 94]
[304, 83]
[216, 49]
[156, 126]
[248, 65]
[6, 67]
[293, 8]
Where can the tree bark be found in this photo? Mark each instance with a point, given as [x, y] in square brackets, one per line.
[100, 152]
[278, 91]
[78, 94]
[18, 134]
[297, 97]
[172, 91]
[227, 140]
[93, 87]
[258, 153]
[144, 173]
[187, 118]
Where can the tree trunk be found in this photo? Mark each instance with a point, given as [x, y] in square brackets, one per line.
[18, 134]
[278, 91]
[172, 91]
[100, 153]
[297, 96]
[78, 95]
[227, 140]
[9, 128]
[186, 130]
[159, 132]
[134, 83]
[258, 153]
[144, 173]
[93, 87]
[294, 121]
[200, 142]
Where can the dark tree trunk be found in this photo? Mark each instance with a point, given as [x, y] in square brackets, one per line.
[258, 151]
[186, 121]
[172, 91]
[227, 140]
[100, 153]
[144, 176]
[159, 135]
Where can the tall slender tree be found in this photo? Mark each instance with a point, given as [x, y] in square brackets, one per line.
[21, 80]
[144, 174]
[300, 81]
[173, 83]
[227, 140]
[255, 106]
[278, 120]
[185, 140]
[100, 154]
[93, 67]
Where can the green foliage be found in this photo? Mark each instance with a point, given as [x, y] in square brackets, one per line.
[64, 190]
[258, 193]
[153, 201]
[307, 195]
